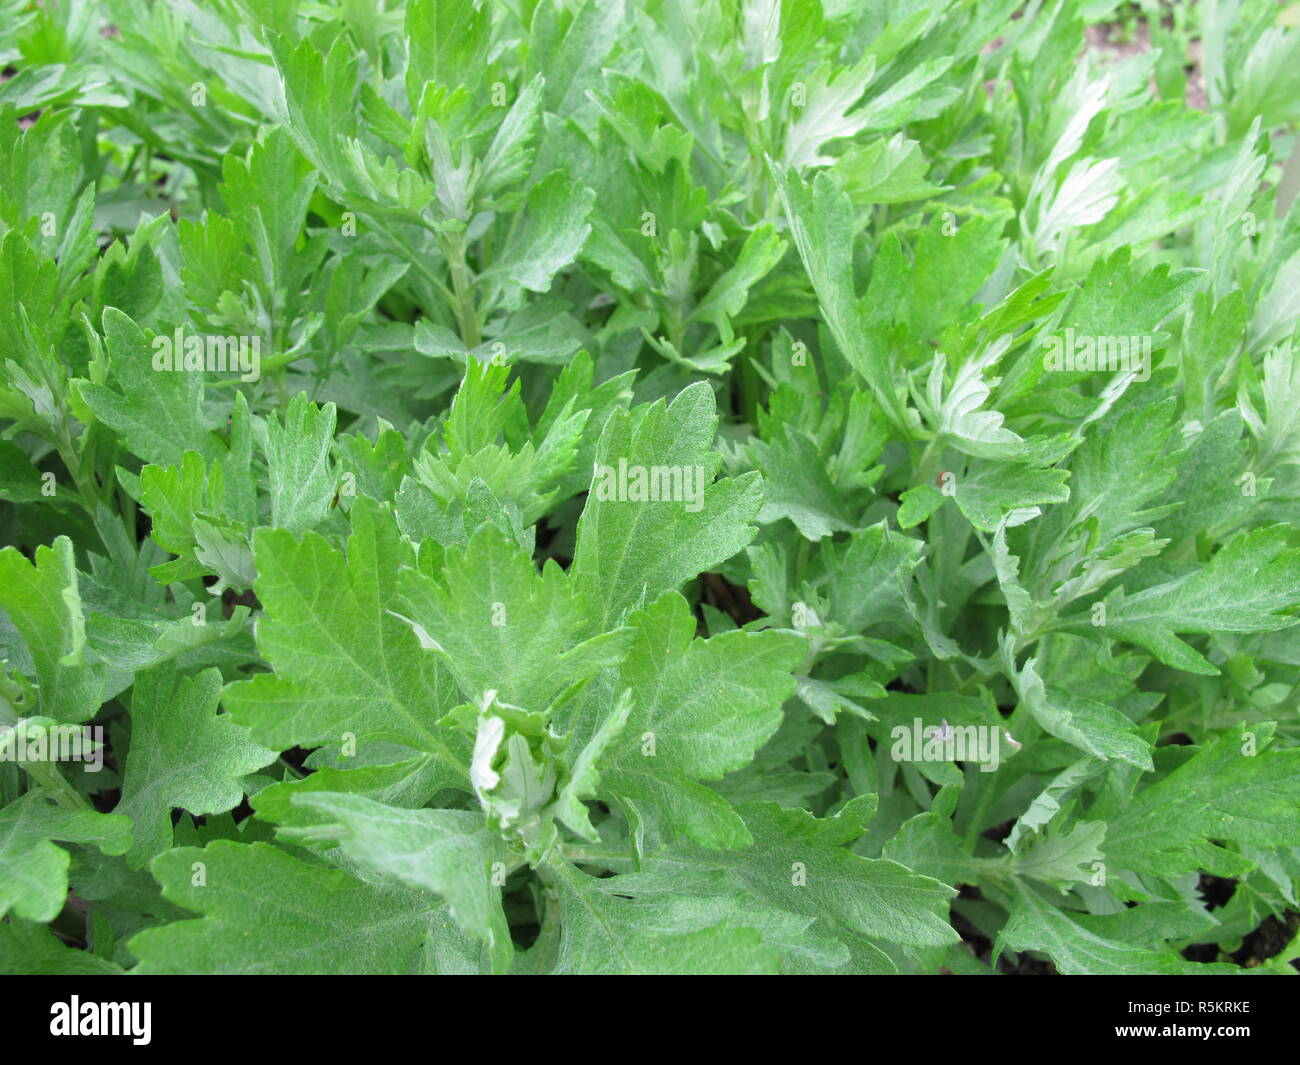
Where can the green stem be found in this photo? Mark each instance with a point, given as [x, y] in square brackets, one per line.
[421, 267]
[462, 288]
[749, 384]
[550, 916]
[980, 813]
[63, 793]
[801, 561]
[88, 491]
[45, 774]
[928, 464]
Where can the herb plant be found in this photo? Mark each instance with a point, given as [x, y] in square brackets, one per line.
[701, 486]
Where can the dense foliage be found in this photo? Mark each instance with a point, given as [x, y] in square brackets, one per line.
[574, 486]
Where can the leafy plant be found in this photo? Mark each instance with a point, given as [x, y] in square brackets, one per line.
[739, 486]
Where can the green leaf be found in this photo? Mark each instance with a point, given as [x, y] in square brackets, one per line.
[499, 625]
[1063, 858]
[868, 577]
[1037, 925]
[796, 485]
[758, 256]
[33, 871]
[701, 709]
[265, 911]
[668, 803]
[584, 774]
[630, 550]
[950, 268]
[345, 666]
[821, 224]
[1223, 794]
[1090, 725]
[989, 492]
[1245, 587]
[552, 231]
[828, 113]
[43, 602]
[887, 170]
[605, 934]
[448, 43]
[510, 153]
[1120, 475]
[798, 864]
[158, 412]
[1119, 299]
[570, 44]
[268, 194]
[297, 455]
[959, 414]
[20, 480]
[447, 852]
[31, 949]
[316, 100]
[183, 754]
[709, 703]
